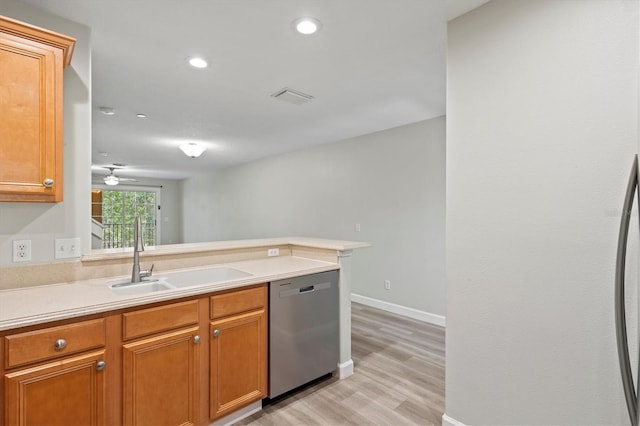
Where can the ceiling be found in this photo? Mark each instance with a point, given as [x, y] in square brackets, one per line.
[373, 65]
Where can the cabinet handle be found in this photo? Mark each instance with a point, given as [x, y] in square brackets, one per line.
[196, 339]
[60, 344]
[101, 365]
[216, 333]
[48, 182]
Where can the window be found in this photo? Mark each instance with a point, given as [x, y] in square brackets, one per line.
[116, 210]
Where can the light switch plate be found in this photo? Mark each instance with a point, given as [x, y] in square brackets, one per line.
[67, 247]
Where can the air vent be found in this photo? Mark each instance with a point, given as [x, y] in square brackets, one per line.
[292, 96]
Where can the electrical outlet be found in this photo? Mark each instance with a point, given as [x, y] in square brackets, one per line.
[387, 284]
[22, 250]
[67, 247]
[273, 252]
[357, 227]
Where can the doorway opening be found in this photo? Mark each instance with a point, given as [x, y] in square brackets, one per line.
[116, 210]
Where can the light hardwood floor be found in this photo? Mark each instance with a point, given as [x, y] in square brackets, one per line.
[398, 380]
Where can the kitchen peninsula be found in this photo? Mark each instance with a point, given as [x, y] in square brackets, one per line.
[41, 302]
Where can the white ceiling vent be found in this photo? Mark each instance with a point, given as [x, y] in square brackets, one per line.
[292, 96]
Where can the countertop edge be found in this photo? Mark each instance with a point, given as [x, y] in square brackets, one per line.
[190, 248]
[125, 302]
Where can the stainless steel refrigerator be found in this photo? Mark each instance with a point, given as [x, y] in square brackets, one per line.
[622, 338]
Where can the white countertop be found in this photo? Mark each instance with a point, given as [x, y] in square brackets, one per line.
[338, 245]
[41, 304]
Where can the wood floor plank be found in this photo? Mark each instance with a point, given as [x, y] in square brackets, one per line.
[398, 379]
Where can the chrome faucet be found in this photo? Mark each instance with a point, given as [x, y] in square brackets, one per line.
[138, 246]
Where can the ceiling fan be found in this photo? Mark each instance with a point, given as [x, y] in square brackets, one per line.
[111, 179]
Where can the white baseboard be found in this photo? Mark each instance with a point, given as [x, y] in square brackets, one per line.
[236, 416]
[448, 421]
[400, 310]
[344, 370]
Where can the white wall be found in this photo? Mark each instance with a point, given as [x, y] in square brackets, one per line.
[541, 128]
[171, 211]
[390, 182]
[42, 223]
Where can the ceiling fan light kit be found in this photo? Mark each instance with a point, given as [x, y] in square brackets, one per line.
[111, 180]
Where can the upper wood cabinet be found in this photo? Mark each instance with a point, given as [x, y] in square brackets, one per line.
[31, 94]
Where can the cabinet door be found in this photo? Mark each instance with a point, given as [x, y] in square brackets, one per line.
[238, 362]
[63, 393]
[30, 121]
[160, 379]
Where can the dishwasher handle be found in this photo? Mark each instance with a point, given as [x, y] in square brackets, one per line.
[297, 291]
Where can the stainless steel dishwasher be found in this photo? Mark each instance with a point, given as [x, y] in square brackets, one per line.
[303, 330]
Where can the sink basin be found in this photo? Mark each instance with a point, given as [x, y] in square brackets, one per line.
[145, 287]
[173, 280]
[203, 276]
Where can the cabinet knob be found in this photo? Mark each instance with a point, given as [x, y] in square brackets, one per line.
[196, 339]
[48, 182]
[216, 333]
[60, 344]
[101, 365]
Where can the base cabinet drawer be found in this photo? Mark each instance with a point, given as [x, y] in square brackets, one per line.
[238, 301]
[67, 392]
[54, 342]
[156, 320]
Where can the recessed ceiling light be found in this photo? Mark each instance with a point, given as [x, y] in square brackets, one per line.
[306, 26]
[107, 110]
[141, 115]
[198, 62]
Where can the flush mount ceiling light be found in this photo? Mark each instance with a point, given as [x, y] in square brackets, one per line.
[107, 110]
[197, 62]
[140, 115]
[306, 26]
[192, 149]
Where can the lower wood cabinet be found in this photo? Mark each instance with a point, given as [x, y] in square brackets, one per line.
[238, 362]
[160, 379]
[238, 349]
[175, 363]
[67, 392]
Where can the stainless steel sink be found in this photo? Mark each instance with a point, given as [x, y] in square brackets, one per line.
[144, 287]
